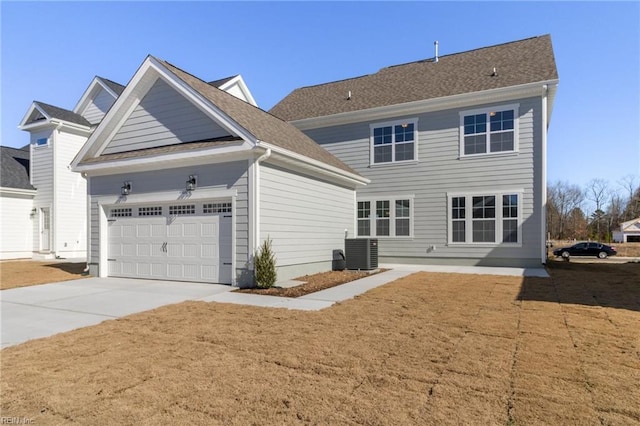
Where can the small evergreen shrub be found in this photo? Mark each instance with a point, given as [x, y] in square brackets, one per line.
[265, 265]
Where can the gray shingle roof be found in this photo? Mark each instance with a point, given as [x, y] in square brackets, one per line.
[62, 114]
[519, 62]
[117, 88]
[220, 82]
[14, 164]
[264, 126]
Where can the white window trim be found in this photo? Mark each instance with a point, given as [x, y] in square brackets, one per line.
[392, 216]
[36, 146]
[469, 218]
[373, 126]
[487, 110]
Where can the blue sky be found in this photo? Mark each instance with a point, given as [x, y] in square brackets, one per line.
[51, 51]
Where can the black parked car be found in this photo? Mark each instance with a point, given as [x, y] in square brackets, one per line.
[586, 249]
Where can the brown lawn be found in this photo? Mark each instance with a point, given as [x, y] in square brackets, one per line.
[429, 349]
[24, 273]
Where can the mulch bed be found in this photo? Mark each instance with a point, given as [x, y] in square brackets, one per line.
[313, 283]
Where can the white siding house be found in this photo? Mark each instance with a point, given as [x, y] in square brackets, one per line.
[629, 232]
[16, 204]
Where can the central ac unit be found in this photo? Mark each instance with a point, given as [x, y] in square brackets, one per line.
[361, 253]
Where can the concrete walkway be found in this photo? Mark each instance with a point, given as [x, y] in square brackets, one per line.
[44, 310]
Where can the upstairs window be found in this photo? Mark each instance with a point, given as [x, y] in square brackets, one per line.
[488, 131]
[394, 142]
[41, 142]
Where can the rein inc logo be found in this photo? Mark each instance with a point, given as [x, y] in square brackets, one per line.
[7, 420]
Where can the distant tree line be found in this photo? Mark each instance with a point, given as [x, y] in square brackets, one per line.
[592, 212]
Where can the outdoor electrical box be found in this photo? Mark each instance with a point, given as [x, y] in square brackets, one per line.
[361, 253]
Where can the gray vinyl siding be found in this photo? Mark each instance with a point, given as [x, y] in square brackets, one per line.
[439, 171]
[163, 117]
[305, 218]
[210, 176]
[98, 107]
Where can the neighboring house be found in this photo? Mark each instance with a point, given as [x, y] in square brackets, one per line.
[59, 225]
[185, 180]
[16, 204]
[455, 148]
[629, 232]
[56, 224]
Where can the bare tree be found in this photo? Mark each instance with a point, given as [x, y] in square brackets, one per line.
[562, 199]
[598, 192]
[632, 189]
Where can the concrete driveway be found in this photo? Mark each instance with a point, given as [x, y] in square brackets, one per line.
[41, 311]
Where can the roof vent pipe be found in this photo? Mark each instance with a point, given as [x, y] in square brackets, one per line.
[435, 44]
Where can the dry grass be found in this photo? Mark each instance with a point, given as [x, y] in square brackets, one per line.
[25, 273]
[426, 349]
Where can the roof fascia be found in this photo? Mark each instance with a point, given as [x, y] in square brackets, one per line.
[34, 106]
[427, 105]
[144, 78]
[239, 81]
[87, 95]
[315, 165]
[179, 159]
[17, 191]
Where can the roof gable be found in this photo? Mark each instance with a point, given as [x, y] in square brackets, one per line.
[240, 119]
[631, 225]
[516, 63]
[264, 126]
[40, 113]
[97, 99]
[163, 117]
[236, 86]
[15, 168]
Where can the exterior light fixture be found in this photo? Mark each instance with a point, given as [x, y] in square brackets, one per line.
[191, 183]
[126, 188]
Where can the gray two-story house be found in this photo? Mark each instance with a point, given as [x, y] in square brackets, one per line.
[454, 147]
[441, 160]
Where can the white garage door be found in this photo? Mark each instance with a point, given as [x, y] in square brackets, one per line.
[181, 242]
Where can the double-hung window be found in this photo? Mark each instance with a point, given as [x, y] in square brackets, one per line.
[485, 218]
[385, 217]
[394, 142]
[489, 131]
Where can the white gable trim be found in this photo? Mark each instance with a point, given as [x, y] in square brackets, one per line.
[34, 107]
[49, 122]
[144, 78]
[626, 225]
[238, 81]
[90, 93]
[227, 153]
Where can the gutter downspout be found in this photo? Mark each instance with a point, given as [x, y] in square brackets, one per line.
[53, 213]
[256, 197]
[543, 177]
